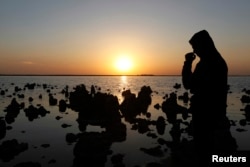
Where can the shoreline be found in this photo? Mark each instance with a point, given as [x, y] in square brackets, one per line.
[98, 75]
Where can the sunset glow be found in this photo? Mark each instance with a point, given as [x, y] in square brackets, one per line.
[118, 37]
[123, 63]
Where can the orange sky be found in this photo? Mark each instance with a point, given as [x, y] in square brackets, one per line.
[88, 37]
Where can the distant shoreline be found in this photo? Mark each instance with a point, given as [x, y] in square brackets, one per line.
[79, 75]
[98, 75]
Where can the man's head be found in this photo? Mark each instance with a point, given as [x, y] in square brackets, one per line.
[202, 43]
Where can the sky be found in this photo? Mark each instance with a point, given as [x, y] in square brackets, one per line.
[118, 37]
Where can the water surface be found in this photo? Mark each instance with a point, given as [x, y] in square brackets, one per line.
[48, 130]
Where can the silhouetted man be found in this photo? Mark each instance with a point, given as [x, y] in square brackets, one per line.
[208, 84]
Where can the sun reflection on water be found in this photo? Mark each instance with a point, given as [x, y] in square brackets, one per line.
[124, 79]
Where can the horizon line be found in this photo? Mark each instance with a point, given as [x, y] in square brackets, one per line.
[105, 75]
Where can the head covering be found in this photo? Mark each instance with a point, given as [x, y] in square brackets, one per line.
[202, 40]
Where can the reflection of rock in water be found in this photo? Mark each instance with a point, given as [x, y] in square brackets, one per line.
[10, 148]
[28, 164]
[102, 109]
[2, 129]
[98, 109]
[155, 151]
[160, 125]
[93, 148]
[117, 160]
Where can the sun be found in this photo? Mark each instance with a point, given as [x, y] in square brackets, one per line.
[123, 63]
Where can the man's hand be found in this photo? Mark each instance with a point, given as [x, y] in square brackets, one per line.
[190, 57]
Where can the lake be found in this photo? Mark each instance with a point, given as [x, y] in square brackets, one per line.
[46, 135]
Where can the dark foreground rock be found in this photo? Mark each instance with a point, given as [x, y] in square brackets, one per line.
[62, 105]
[117, 160]
[247, 112]
[28, 164]
[133, 106]
[30, 86]
[95, 109]
[52, 100]
[80, 98]
[11, 148]
[171, 108]
[245, 99]
[33, 113]
[101, 109]
[92, 149]
[12, 111]
[71, 138]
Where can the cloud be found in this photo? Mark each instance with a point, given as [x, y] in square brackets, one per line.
[28, 62]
